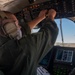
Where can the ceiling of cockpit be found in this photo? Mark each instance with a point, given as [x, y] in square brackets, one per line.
[16, 5]
[13, 5]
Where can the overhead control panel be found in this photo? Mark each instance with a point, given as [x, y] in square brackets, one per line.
[64, 8]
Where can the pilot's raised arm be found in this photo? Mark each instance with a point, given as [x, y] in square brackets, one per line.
[46, 37]
[21, 51]
[40, 43]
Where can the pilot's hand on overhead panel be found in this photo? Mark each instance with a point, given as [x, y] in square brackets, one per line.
[42, 14]
[51, 14]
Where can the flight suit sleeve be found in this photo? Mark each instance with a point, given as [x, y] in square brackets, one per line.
[45, 38]
[25, 28]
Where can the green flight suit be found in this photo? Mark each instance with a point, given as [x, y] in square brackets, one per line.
[21, 57]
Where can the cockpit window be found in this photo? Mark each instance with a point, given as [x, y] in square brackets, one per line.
[66, 36]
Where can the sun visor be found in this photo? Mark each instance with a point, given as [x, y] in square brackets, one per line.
[72, 19]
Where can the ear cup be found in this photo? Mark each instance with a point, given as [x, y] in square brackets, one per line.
[11, 29]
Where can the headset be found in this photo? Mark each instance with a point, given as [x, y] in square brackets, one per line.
[8, 29]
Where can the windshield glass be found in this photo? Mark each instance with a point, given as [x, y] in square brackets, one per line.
[68, 29]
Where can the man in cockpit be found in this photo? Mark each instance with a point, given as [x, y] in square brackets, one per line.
[21, 51]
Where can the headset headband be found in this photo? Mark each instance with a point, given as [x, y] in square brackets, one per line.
[3, 15]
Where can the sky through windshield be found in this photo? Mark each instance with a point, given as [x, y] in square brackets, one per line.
[68, 28]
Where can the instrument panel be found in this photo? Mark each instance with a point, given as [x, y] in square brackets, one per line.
[60, 60]
[64, 60]
[64, 56]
